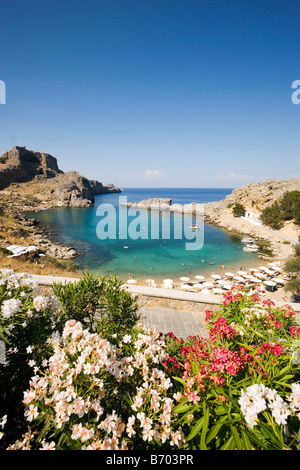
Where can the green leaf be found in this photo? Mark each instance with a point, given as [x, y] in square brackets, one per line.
[284, 370]
[229, 445]
[182, 408]
[236, 437]
[257, 438]
[195, 430]
[245, 440]
[220, 410]
[178, 379]
[266, 431]
[285, 379]
[214, 431]
[205, 428]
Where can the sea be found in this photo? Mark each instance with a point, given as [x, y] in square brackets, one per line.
[128, 243]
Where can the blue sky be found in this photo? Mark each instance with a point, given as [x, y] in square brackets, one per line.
[154, 93]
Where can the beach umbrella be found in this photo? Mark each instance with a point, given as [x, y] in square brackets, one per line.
[200, 278]
[186, 286]
[261, 275]
[229, 274]
[168, 281]
[277, 269]
[253, 270]
[215, 276]
[263, 268]
[227, 286]
[255, 279]
[198, 285]
[184, 278]
[269, 271]
[278, 280]
[217, 291]
[168, 286]
[208, 284]
[239, 278]
[205, 291]
[270, 285]
[242, 273]
[131, 281]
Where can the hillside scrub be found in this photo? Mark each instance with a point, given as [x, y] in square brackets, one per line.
[286, 208]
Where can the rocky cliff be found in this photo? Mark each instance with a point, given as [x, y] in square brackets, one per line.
[56, 188]
[254, 197]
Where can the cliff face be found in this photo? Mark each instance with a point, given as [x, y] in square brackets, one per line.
[41, 170]
[20, 165]
[254, 197]
[260, 195]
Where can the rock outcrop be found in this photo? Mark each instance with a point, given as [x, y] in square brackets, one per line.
[59, 189]
[154, 203]
[254, 197]
[19, 165]
[98, 188]
[71, 190]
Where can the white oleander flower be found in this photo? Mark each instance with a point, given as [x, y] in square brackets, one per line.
[10, 307]
[40, 303]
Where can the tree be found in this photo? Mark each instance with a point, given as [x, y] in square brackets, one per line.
[238, 210]
[289, 204]
[292, 266]
[272, 217]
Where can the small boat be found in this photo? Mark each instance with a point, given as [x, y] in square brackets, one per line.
[194, 227]
[247, 240]
[251, 248]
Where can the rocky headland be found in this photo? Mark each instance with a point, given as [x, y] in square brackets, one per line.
[31, 181]
[54, 187]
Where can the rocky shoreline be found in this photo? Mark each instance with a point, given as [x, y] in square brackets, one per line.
[31, 181]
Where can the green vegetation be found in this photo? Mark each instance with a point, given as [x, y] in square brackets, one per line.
[98, 303]
[238, 209]
[286, 208]
[3, 159]
[292, 266]
[81, 373]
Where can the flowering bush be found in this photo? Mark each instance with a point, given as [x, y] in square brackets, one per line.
[27, 320]
[228, 399]
[71, 403]
[107, 382]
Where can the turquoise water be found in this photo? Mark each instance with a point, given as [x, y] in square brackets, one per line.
[146, 258]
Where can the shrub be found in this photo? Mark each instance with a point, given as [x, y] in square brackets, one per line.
[240, 387]
[238, 209]
[98, 303]
[68, 384]
[27, 320]
[292, 266]
[95, 395]
[286, 208]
